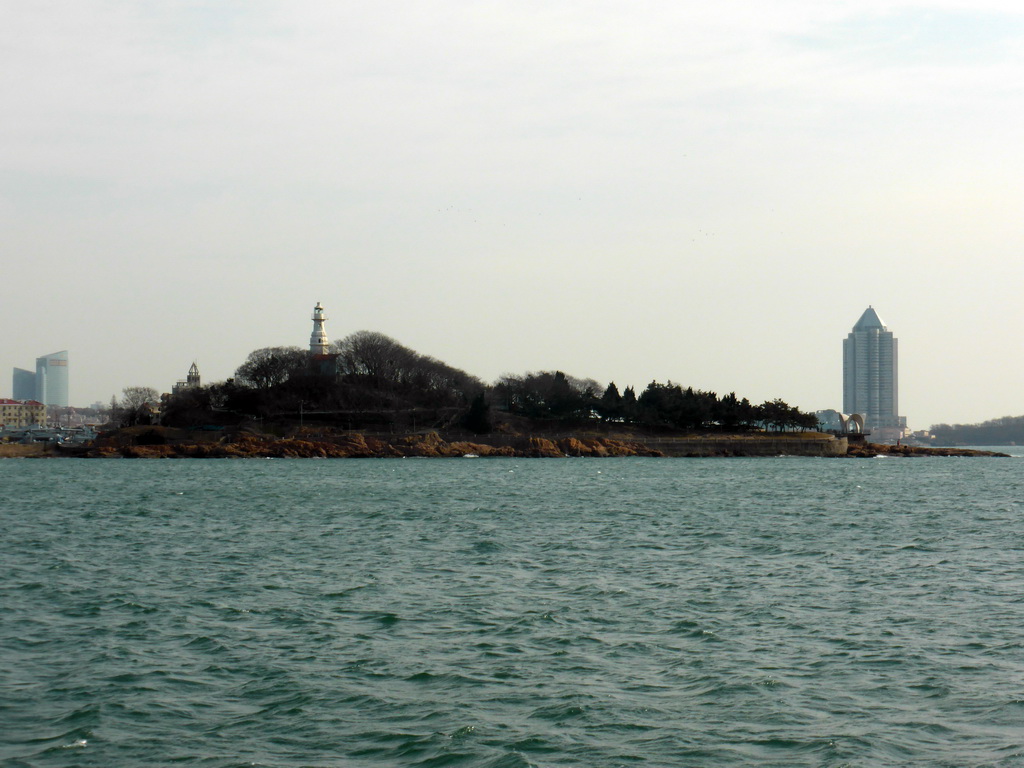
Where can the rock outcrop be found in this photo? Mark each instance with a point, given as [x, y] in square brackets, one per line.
[353, 445]
[871, 450]
[160, 443]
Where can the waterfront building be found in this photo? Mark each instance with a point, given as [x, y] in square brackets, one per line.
[52, 379]
[318, 343]
[871, 376]
[18, 414]
[23, 384]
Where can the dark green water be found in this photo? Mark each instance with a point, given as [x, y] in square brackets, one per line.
[505, 613]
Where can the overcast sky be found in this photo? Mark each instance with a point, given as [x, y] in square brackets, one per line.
[706, 193]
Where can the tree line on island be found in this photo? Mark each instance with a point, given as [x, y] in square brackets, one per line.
[1007, 430]
[370, 381]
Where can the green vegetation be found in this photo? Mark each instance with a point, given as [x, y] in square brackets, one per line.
[559, 397]
[370, 381]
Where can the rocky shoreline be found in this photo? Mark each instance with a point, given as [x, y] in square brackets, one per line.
[872, 450]
[158, 442]
[356, 446]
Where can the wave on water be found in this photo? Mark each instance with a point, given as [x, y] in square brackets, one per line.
[508, 613]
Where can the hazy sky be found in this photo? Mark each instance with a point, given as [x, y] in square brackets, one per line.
[628, 191]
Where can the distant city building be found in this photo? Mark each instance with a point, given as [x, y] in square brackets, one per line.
[48, 385]
[191, 381]
[871, 376]
[17, 414]
[24, 384]
[52, 379]
[318, 343]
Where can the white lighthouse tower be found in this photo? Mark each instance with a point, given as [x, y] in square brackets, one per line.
[318, 339]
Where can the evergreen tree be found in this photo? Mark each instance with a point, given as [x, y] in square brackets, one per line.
[478, 417]
[609, 407]
[629, 407]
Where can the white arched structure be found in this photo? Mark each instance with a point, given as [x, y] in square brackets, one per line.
[841, 423]
[852, 423]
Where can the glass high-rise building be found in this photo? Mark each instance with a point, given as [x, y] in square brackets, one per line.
[23, 385]
[52, 379]
[871, 373]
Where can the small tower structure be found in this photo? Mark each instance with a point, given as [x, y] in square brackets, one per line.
[318, 339]
[191, 381]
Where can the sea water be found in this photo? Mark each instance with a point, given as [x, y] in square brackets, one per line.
[504, 613]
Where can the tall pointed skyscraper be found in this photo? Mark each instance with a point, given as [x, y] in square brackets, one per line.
[870, 375]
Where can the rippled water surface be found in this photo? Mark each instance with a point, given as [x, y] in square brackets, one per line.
[505, 613]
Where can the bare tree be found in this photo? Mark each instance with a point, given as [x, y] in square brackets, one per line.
[375, 356]
[136, 397]
[268, 367]
[135, 404]
[386, 366]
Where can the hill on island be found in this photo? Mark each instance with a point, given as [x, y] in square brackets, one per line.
[369, 381]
